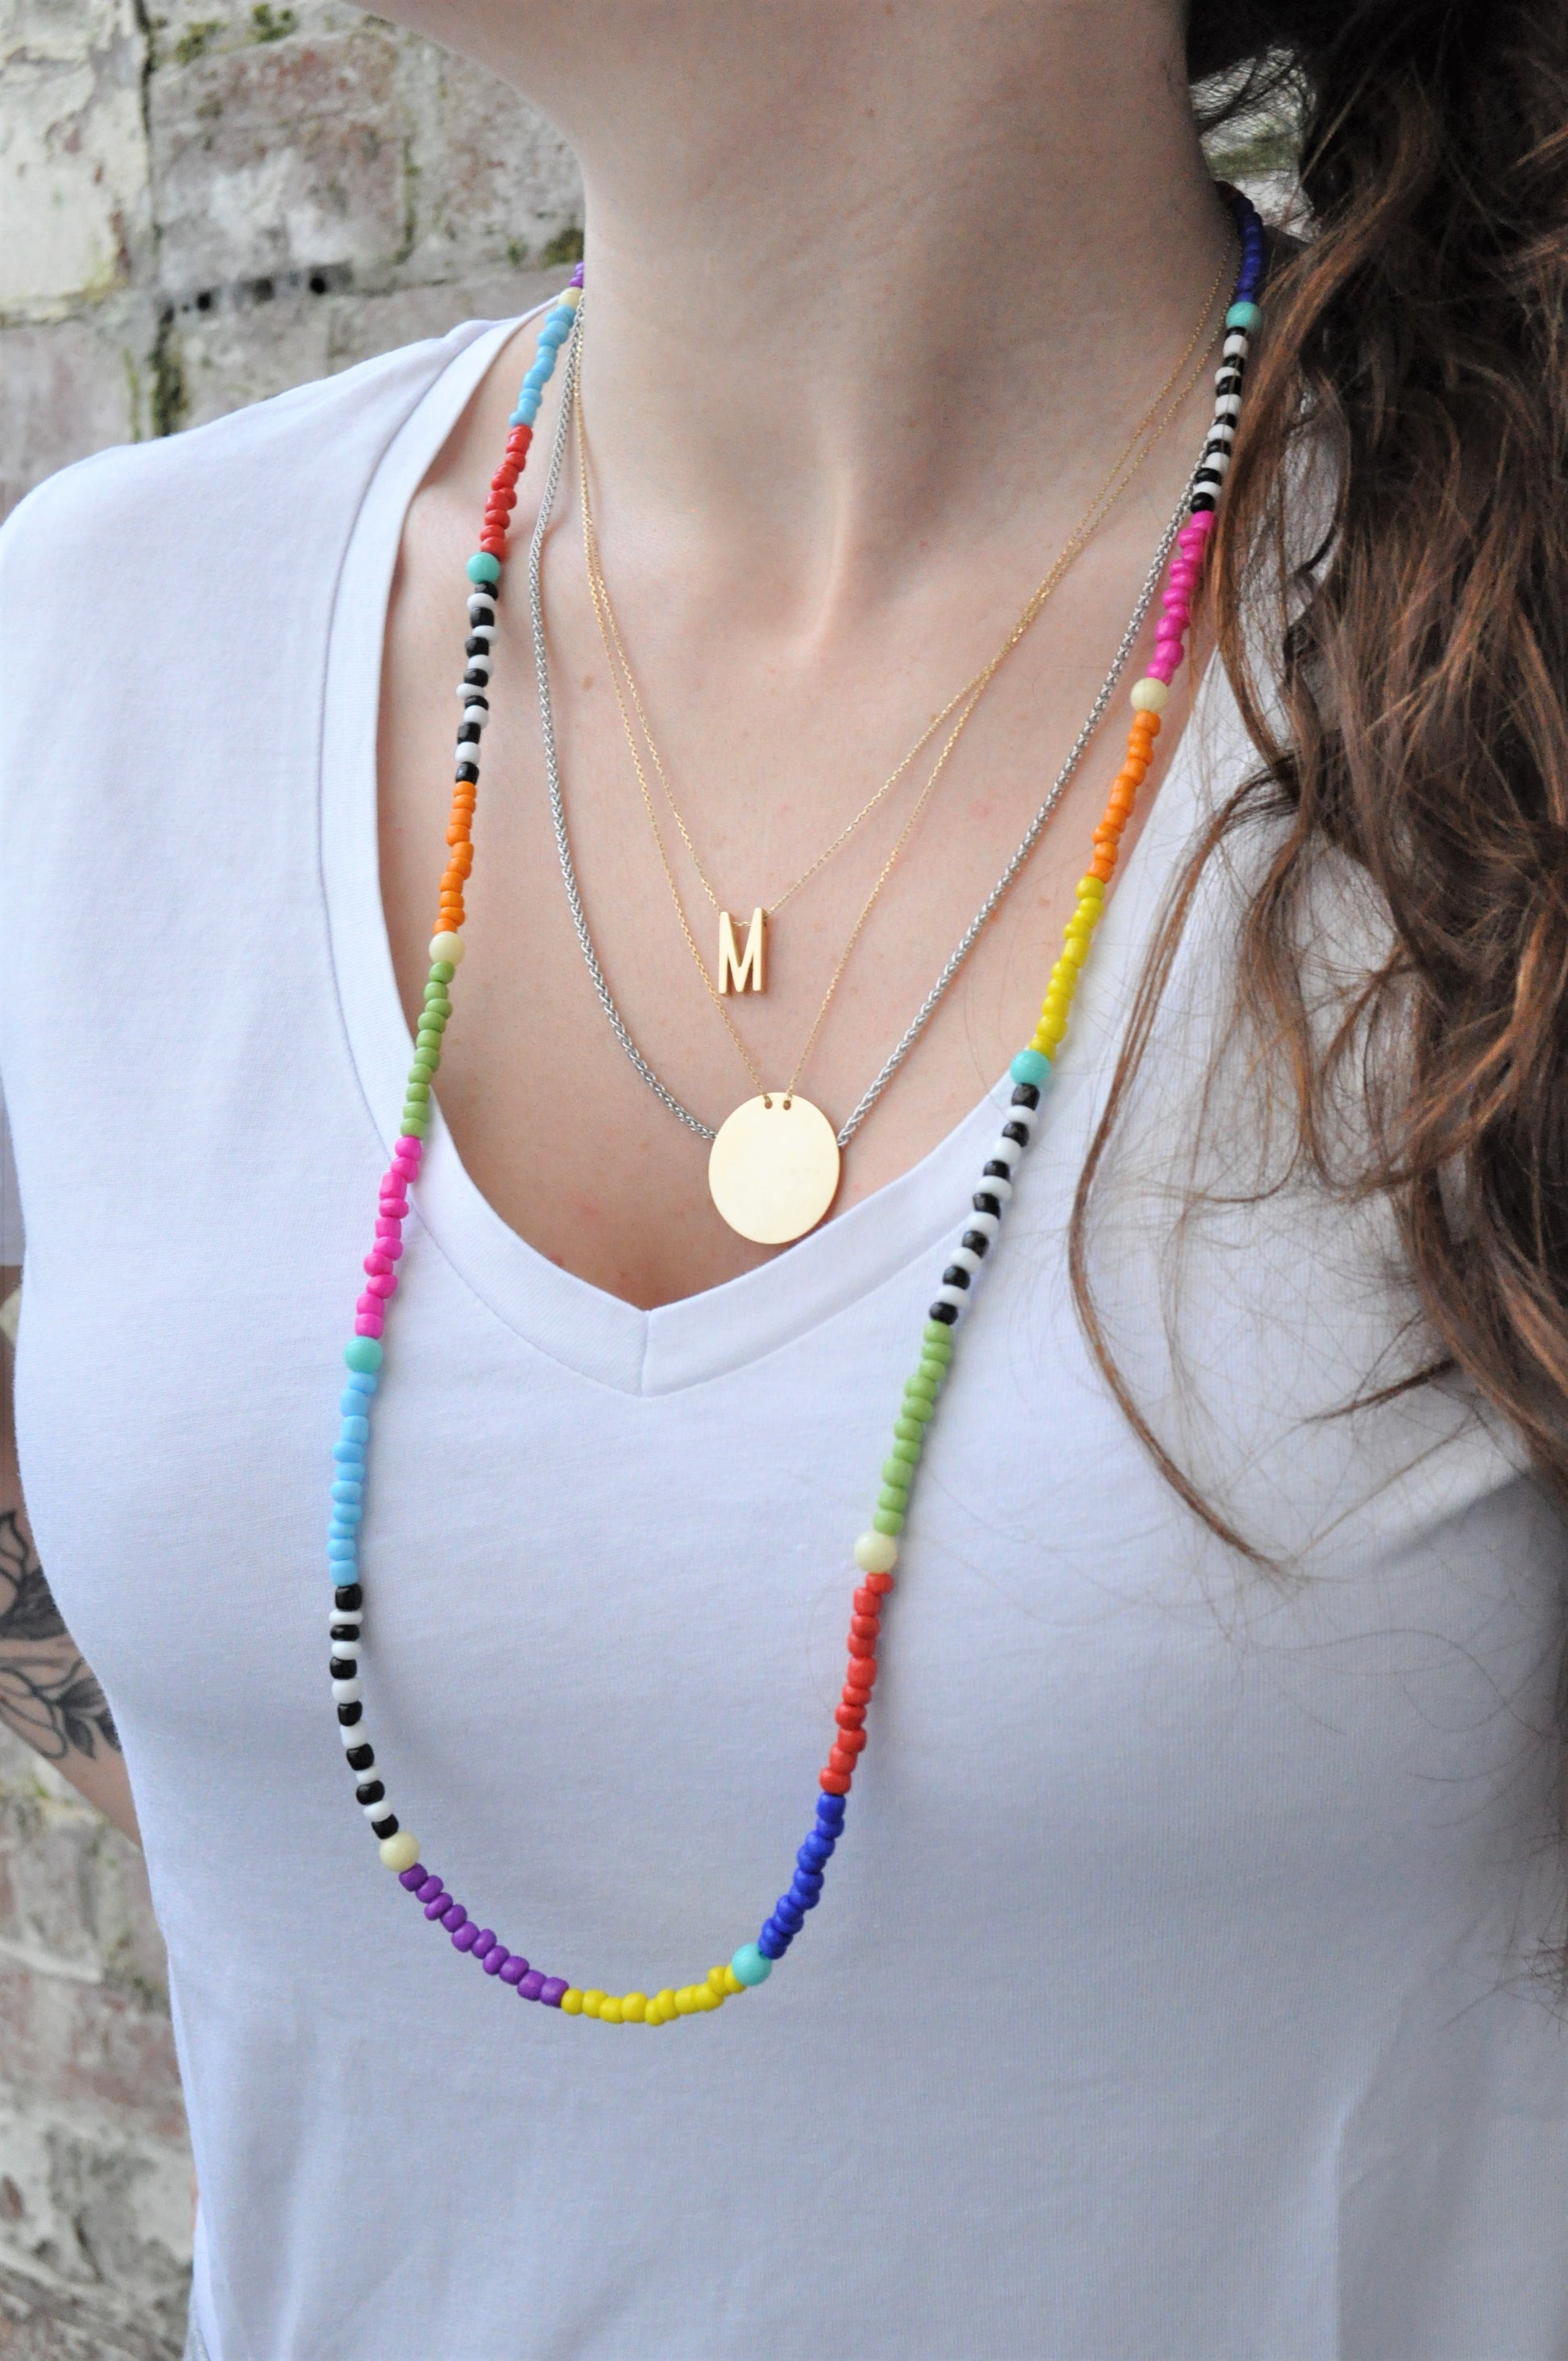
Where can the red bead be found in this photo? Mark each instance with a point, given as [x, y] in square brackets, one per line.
[881, 1583]
[866, 1601]
[833, 1782]
[863, 1671]
[519, 439]
[850, 1717]
[841, 1761]
[849, 1741]
[494, 545]
[865, 1627]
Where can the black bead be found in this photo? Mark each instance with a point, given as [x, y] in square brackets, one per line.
[469, 735]
[997, 1171]
[348, 1596]
[475, 646]
[386, 1827]
[1026, 1094]
[344, 1631]
[370, 1790]
[1017, 1131]
[360, 1758]
[481, 607]
[976, 1241]
[349, 1714]
[343, 1668]
[946, 1312]
[1202, 502]
[984, 1203]
[955, 1275]
[469, 773]
[480, 680]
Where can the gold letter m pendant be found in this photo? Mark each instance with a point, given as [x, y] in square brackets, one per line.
[735, 974]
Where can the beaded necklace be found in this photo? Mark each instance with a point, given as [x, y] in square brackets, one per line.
[876, 1552]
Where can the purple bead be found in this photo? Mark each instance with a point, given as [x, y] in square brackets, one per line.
[439, 1905]
[550, 1992]
[514, 1969]
[454, 1917]
[413, 1877]
[496, 1959]
[431, 1887]
[465, 1938]
[485, 1940]
[576, 278]
[531, 1985]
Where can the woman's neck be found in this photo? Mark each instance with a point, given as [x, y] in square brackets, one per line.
[864, 277]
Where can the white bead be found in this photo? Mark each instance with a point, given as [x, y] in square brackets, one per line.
[1006, 1151]
[876, 1554]
[1026, 1115]
[449, 948]
[1236, 344]
[956, 1296]
[357, 1736]
[966, 1257]
[402, 1851]
[1229, 405]
[1150, 695]
[468, 751]
[986, 1224]
[376, 1811]
[338, 1616]
[346, 1692]
[993, 1185]
[486, 632]
[1223, 431]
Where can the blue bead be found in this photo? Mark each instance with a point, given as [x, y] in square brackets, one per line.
[527, 407]
[355, 1429]
[364, 1352]
[751, 1965]
[346, 1489]
[520, 418]
[482, 567]
[540, 375]
[1029, 1066]
[830, 1811]
[553, 331]
[353, 1405]
[347, 1514]
[350, 1455]
[815, 1851]
[336, 1549]
[788, 1914]
[770, 1946]
[363, 1381]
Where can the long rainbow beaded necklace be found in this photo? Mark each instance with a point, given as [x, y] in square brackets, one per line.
[876, 1552]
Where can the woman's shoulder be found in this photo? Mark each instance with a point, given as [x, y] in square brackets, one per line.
[232, 492]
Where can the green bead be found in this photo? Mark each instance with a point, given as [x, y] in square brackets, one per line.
[917, 1406]
[426, 1043]
[889, 1521]
[920, 1387]
[420, 1074]
[413, 1123]
[936, 1371]
[364, 1352]
[937, 1337]
[441, 971]
[432, 1020]
[907, 1452]
[894, 1496]
[417, 1090]
[435, 997]
[909, 1430]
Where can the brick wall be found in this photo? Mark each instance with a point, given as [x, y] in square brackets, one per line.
[201, 203]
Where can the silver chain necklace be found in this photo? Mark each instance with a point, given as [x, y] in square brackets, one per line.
[966, 942]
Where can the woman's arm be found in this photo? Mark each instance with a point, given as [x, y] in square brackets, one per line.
[48, 1695]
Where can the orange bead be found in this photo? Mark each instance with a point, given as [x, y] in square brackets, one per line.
[1102, 866]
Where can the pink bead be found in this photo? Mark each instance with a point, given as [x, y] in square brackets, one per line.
[410, 1148]
[391, 1231]
[370, 1304]
[1164, 668]
[382, 1283]
[369, 1323]
[376, 1262]
[393, 1209]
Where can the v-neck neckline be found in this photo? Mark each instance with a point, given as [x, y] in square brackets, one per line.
[697, 1337]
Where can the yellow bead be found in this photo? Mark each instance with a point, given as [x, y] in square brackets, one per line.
[665, 2005]
[591, 2000]
[634, 2008]
[704, 1997]
[732, 1983]
[448, 947]
[571, 296]
[609, 2010]
[401, 1851]
[1091, 889]
[572, 2002]
[1150, 695]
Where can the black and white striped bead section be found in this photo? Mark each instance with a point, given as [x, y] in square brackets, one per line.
[473, 690]
[988, 1204]
[1216, 459]
[370, 1791]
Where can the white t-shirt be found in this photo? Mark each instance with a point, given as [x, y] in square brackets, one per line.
[1172, 1996]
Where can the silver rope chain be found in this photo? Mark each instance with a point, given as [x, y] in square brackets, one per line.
[1027, 844]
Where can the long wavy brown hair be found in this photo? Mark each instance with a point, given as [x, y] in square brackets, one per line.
[1416, 715]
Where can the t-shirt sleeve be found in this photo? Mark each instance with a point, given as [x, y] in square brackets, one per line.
[10, 1202]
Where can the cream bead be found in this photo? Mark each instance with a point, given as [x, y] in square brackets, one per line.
[400, 1852]
[1150, 695]
[450, 948]
[876, 1552]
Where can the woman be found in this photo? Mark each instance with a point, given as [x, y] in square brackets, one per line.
[1177, 1988]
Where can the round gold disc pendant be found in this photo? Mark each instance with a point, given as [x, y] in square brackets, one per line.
[773, 1169]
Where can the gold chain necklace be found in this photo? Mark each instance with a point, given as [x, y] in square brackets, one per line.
[739, 972]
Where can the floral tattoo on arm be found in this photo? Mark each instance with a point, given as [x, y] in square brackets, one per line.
[48, 1695]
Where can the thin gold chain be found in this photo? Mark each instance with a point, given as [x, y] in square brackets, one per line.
[1127, 467]
[1146, 426]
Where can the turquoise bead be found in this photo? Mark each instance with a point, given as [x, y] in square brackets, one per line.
[1029, 1066]
[750, 1966]
[1244, 315]
[483, 568]
[363, 1352]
